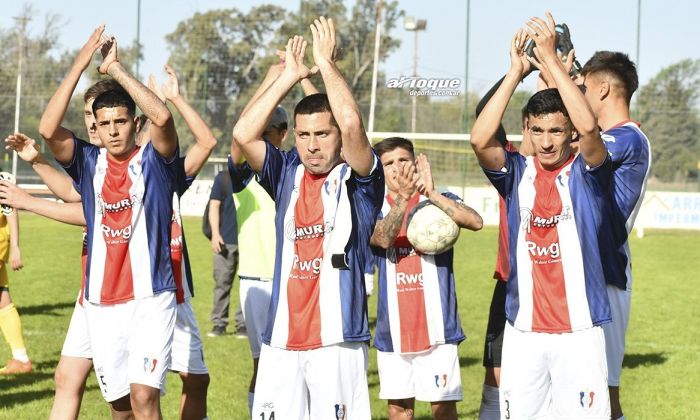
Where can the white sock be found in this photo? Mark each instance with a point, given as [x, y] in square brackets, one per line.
[21, 355]
[250, 402]
[490, 408]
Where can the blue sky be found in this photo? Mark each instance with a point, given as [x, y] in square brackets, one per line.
[668, 33]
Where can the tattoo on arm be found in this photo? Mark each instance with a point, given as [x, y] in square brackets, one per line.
[388, 228]
[469, 210]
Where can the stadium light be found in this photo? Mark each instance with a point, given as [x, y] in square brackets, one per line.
[410, 23]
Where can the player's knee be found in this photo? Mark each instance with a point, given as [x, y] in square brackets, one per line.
[445, 410]
[67, 382]
[195, 383]
[144, 398]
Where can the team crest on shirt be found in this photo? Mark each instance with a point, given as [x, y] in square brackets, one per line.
[149, 365]
[340, 411]
[441, 381]
[586, 399]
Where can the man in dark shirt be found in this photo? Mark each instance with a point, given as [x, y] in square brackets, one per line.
[224, 243]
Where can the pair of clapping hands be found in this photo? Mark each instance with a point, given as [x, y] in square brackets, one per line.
[411, 177]
[543, 34]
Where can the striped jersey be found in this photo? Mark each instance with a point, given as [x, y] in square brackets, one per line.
[556, 222]
[255, 216]
[417, 303]
[128, 208]
[631, 157]
[323, 225]
[502, 263]
[182, 271]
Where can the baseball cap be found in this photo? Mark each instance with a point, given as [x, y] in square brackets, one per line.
[278, 117]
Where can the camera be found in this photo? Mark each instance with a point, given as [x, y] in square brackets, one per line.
[564, 45]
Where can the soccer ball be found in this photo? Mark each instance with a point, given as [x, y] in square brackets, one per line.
[430, 230]
[6, 176]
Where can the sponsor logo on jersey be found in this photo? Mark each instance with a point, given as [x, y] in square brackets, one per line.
[397, 253]
[301, 233]
[115, 234]
[124, 204]
[544, 251]
[406, 279]
[528, 219]
[313, 265]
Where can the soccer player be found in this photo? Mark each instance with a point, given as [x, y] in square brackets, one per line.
[558, 209]
[10, 323]
[127, 194]
[314, 358]
[610, 79]
[255, 212]
[418, 326]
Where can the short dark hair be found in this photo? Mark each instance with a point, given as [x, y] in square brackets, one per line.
[102, 86]
[617, 65]
[313, 104]
[114, 98]
[547, 101]
[391, 143]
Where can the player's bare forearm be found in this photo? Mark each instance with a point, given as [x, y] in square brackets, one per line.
[269, 79]
[60, 184]
[58, 138]
[69, 213]
[205, 141]
[487, 148]
[465, 216]
[357, 150]
[196, 157]
[308, 87]
[592, 147]
[163, 133]
[214, 216]
[387, 229]
[248, 130]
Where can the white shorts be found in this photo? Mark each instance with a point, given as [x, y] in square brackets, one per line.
[429, 376]
[187, 354]
[255, 300]
[620, 303]
[554, 375]
[77, 342]
[131, 342]
[325, 383]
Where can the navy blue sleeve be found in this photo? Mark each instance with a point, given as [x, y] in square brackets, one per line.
[182, 181]
[503, 180]
[272, 172]
[84, 154]
[165, 170]
[372, 185]
[240, 175]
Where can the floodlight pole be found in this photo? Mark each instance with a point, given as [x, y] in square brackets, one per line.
[138, 37]
[466, 76]
[18, 91]
[377, 40]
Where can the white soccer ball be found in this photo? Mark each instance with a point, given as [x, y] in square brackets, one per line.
[6, 176]
[430, 230]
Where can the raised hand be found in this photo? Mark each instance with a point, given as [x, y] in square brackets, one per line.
[26, 147]
[324, 48]
[406, 180]
[294, 58]
[171, 88]
[518, 58]
[153, 86]
[544, 35]
[109, 54]
[82, 61]
[425, 185]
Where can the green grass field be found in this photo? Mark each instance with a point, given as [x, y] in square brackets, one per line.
[660, 379]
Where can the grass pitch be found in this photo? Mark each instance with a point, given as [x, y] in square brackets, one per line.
[659, 379]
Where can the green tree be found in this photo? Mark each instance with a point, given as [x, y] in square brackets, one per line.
[217, 55]
[666, 107]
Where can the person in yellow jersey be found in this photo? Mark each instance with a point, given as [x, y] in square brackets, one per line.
[10, 324]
